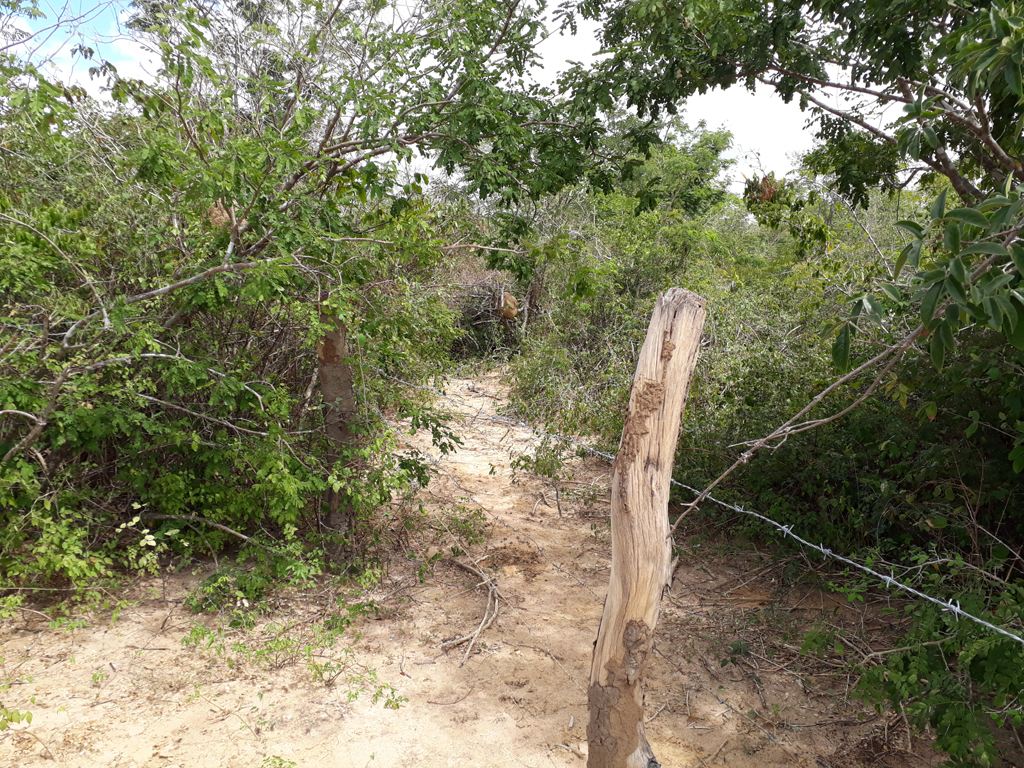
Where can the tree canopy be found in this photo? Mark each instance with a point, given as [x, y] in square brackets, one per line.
[952, 69]
[174, 260]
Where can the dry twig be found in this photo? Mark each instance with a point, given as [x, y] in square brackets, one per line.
[490, 611]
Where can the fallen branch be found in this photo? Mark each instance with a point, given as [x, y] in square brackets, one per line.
[490, 612]
[194, 519]
[43, 419]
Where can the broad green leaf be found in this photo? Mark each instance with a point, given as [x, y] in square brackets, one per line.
[912, 147]
[929, 302]
[891, 291]
[956, 290]
[1016, 336]
[993, 203]
[993, 249]
[999, 281]
[1008, 311]
[937, 350]
[911, 249]
[1017, 254]
[957, 270]
[951, 238]
[1013, 79]
[1017, 457]
[939, 205]
[912, 227]
[953, 317]
[841, 349]
[969, 216]
[872, 306]
[993, 313]
[945, 334]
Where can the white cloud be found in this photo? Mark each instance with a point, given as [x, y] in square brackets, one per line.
[768, 135]
[95, 25]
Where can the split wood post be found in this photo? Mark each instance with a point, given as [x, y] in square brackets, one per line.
[641, 549]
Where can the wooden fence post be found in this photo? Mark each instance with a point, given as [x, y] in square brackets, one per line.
[641, 550]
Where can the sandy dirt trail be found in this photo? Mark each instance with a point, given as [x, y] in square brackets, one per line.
[726, 686]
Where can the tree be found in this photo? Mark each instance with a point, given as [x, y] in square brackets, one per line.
[954, 70]
[170, 261]
[954, 73]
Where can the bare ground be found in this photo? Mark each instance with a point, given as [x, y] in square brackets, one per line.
[727, 686]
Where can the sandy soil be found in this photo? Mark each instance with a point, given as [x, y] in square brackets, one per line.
[728, 684]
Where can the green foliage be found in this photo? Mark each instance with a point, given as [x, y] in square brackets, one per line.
[919, 480]
[857, 161]
[575, 373]
[775, 202]
[14, 716]
[323, 649]
[932, 469]
[170, 261]
[955, 677]
[462, 528]
[230, 586]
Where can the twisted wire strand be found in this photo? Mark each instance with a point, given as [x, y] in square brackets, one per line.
[889, 580]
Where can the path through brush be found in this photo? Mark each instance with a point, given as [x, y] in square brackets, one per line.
[728, 684]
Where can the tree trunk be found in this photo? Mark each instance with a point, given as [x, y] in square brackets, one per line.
[641, 549]
[338, 392]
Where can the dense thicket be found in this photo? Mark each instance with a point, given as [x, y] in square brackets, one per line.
[918, 481]
[922, 477]
[215, 283]
[210, 279]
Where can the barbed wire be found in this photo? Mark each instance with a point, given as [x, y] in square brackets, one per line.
[889, 580]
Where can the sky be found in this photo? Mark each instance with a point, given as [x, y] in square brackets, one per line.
[768, 135]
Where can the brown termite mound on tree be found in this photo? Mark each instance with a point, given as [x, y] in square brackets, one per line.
[221, 216]
[488, 313]
[508, 306]
[641, 547]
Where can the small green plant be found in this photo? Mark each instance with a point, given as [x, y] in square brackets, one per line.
[818, 641]
[13, 716]
[426, 568]
[547, 460]
[66, 624]
[278, 762]
[9, 605]
[143, 554]
[201, 636]
[467, 526]
[230, 586]
[737, 650]
[328, 669]
[277, 648]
